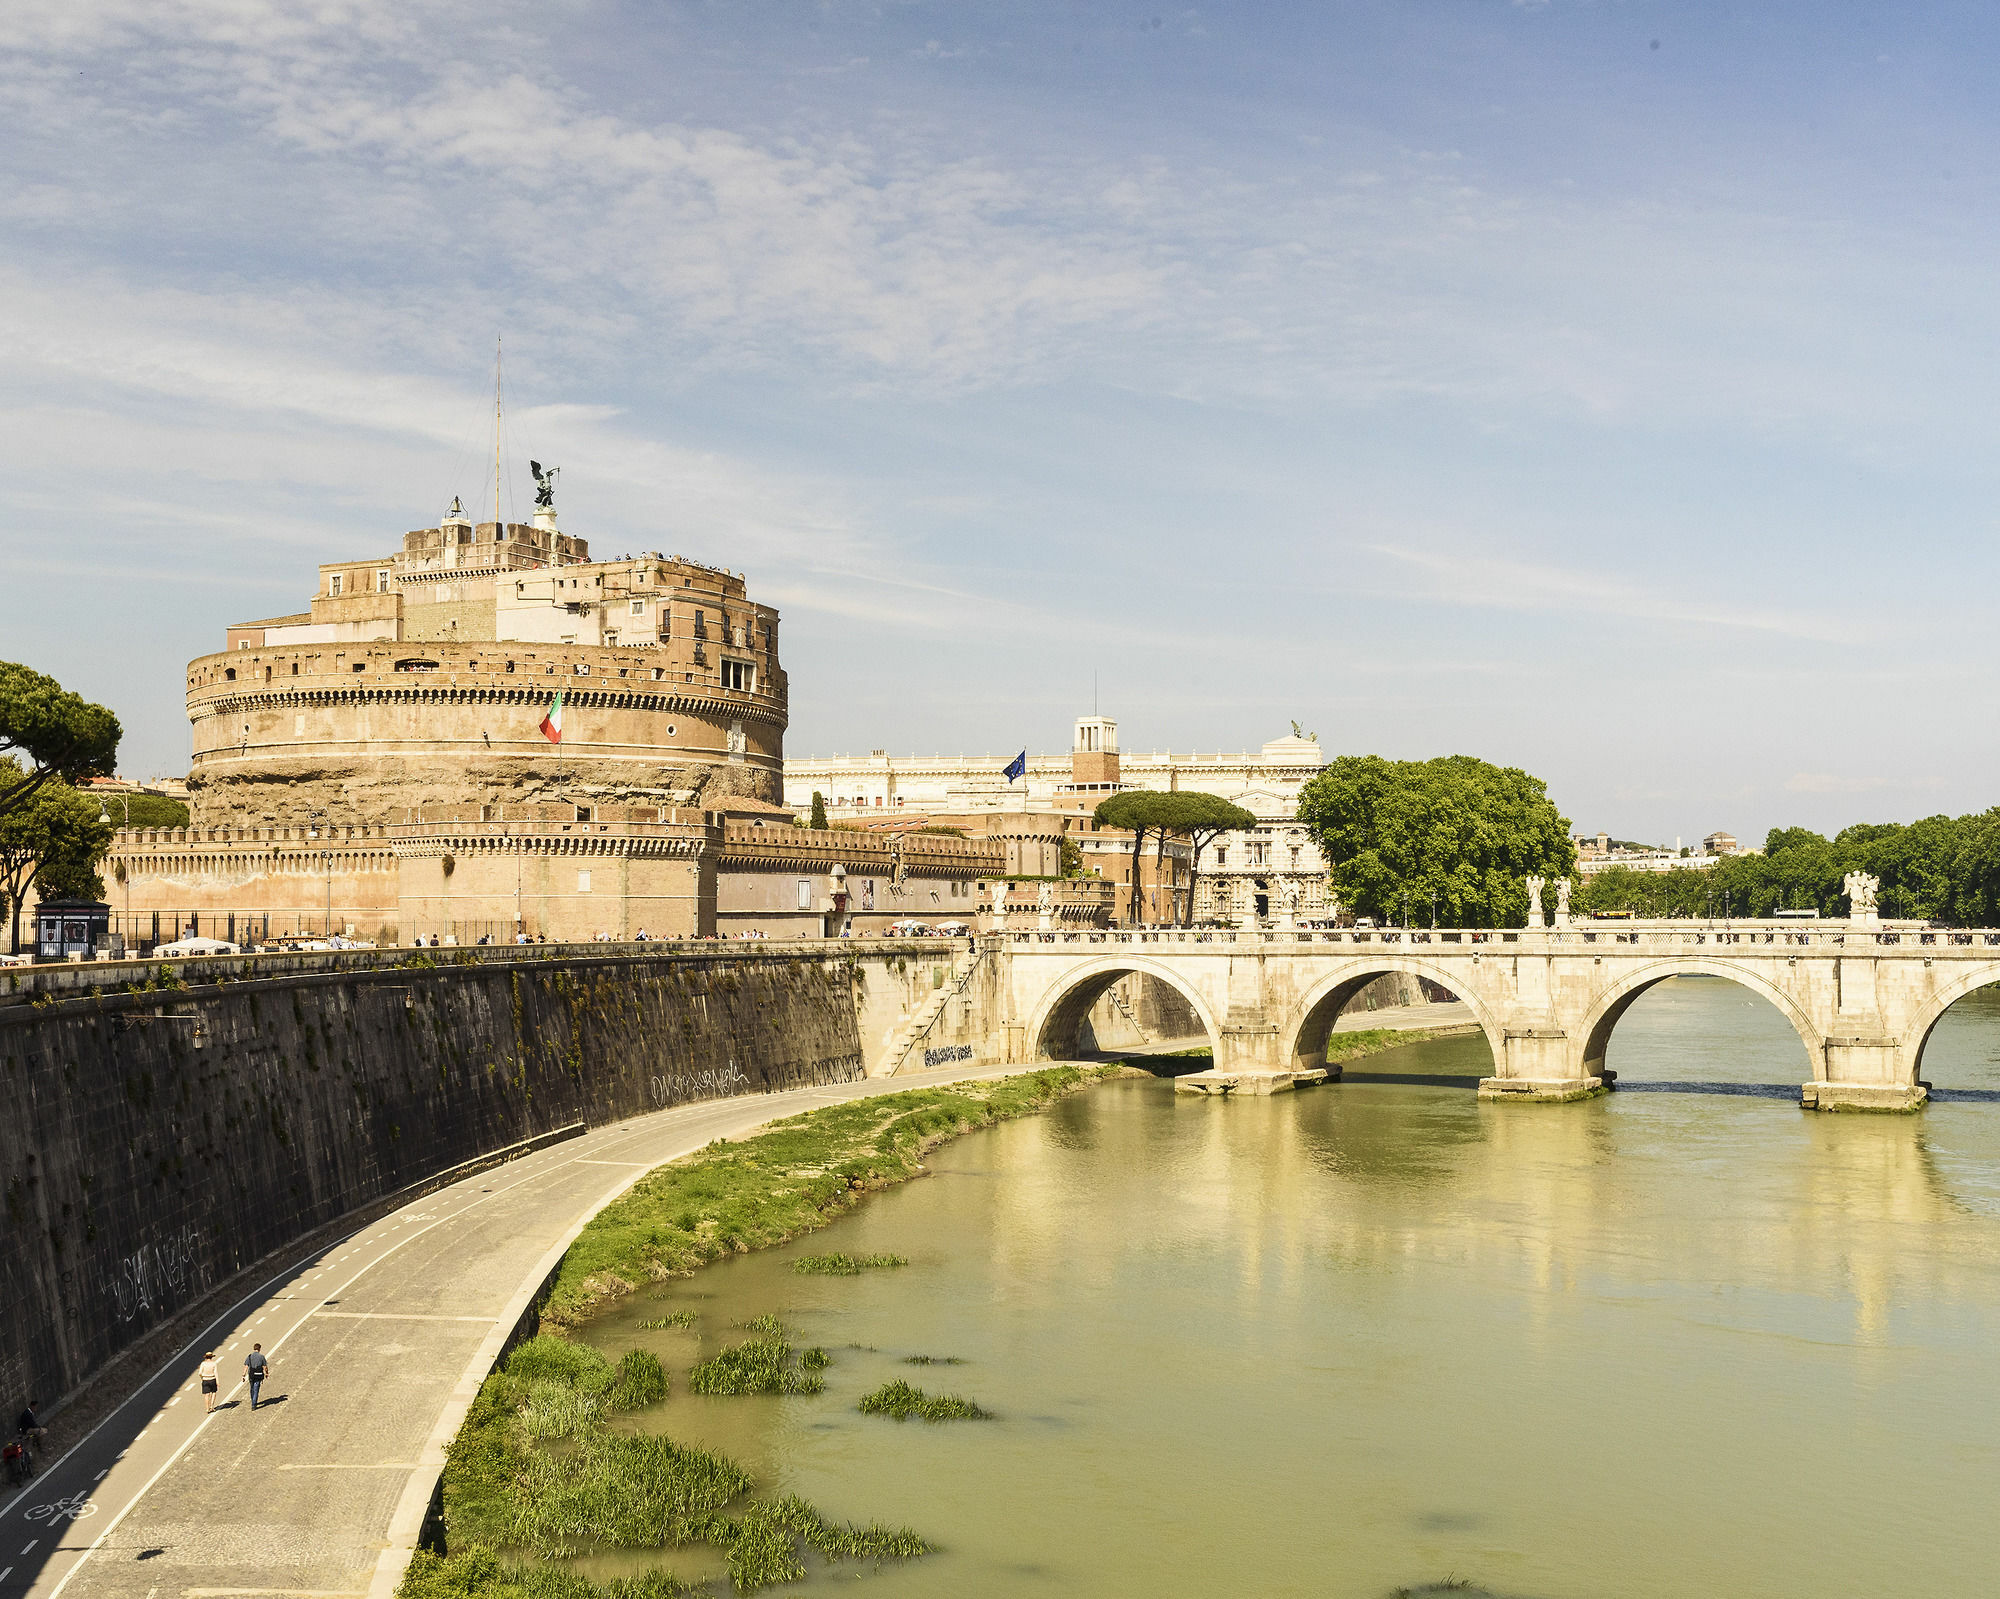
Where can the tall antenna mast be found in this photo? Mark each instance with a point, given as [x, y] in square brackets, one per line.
[496, 435]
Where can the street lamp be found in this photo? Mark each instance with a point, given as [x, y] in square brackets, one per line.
[104, 820]
[315, 819]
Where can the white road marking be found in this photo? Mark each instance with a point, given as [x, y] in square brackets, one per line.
[395, 1315]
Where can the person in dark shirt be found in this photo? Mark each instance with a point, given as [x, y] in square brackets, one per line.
[257, 1368]
[29, 1425]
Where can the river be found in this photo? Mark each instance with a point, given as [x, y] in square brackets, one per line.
[1685, 1339]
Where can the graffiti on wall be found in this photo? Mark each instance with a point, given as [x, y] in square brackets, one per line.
[155, 1276]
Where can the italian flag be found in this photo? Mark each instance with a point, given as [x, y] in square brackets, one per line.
[552, 723]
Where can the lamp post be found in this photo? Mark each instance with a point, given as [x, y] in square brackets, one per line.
[315, 820]
[104, 820]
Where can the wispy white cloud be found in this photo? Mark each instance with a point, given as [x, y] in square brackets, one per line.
[1495, 583]
[1861, 783]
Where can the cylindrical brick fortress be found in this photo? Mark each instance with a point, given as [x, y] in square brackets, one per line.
[367, 731]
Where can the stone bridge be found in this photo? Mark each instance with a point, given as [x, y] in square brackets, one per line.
[1863, 999]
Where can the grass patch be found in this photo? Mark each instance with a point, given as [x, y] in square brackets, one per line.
[760, 1365]
[482, 1573]
[766, 1550]
[796, 1176]
[844, 1265]
[900, 1400]
[1362, 1041]
[536, 1472]
[511, 1503]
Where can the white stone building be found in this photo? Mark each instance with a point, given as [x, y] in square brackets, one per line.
[1242, 874]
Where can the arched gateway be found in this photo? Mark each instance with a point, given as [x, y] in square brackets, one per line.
[1862, 998]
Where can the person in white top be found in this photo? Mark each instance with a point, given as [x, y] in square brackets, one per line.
[208, 1382]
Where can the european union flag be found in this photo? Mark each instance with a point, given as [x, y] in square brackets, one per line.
[1017, 767]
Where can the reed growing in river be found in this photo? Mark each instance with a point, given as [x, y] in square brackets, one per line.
[902, 1401]
[844, 1265]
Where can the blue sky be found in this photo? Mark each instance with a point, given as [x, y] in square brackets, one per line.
[1605, 389]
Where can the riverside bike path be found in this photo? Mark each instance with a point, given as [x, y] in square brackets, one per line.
[377, 1343]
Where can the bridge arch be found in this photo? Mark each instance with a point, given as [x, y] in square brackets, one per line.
[1925, 1022]
[1609, 1007]
[1306, 1037]
[1059, 1014]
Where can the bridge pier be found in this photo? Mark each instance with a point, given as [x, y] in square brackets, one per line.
[1249, 1061]
[1542, 1064]
[1864, 1072]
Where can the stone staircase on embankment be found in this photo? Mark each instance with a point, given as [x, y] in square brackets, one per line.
[914, 1029]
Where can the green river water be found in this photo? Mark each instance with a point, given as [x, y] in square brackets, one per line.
[1683, 1339]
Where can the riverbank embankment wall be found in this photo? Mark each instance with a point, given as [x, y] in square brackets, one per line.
[168, 1126]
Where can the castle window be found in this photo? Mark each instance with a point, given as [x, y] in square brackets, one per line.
[381, 582]
[333, 586]
[740, 675]
[638, 607]
[230, 672]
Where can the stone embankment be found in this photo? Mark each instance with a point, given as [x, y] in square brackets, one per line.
[168, 1126]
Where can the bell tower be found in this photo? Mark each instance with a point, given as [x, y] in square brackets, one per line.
[1093, 758]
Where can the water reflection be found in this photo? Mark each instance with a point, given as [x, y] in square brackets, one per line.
[1369, 1336]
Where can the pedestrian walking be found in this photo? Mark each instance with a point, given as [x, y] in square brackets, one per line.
[210, 1380]
[258, 1369]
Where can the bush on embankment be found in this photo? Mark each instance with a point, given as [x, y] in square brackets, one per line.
[797, 1175]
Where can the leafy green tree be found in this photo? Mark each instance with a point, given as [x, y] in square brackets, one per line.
[1143, 812]
[143, 810]
[48, 734]
[1071, 854]
[53, 841]
[818, 821]
[1397, 833]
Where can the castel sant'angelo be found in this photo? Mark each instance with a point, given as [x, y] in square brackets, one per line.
[421, 679]
[489, 733]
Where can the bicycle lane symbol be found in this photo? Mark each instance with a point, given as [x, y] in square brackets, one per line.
[74, 1508]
